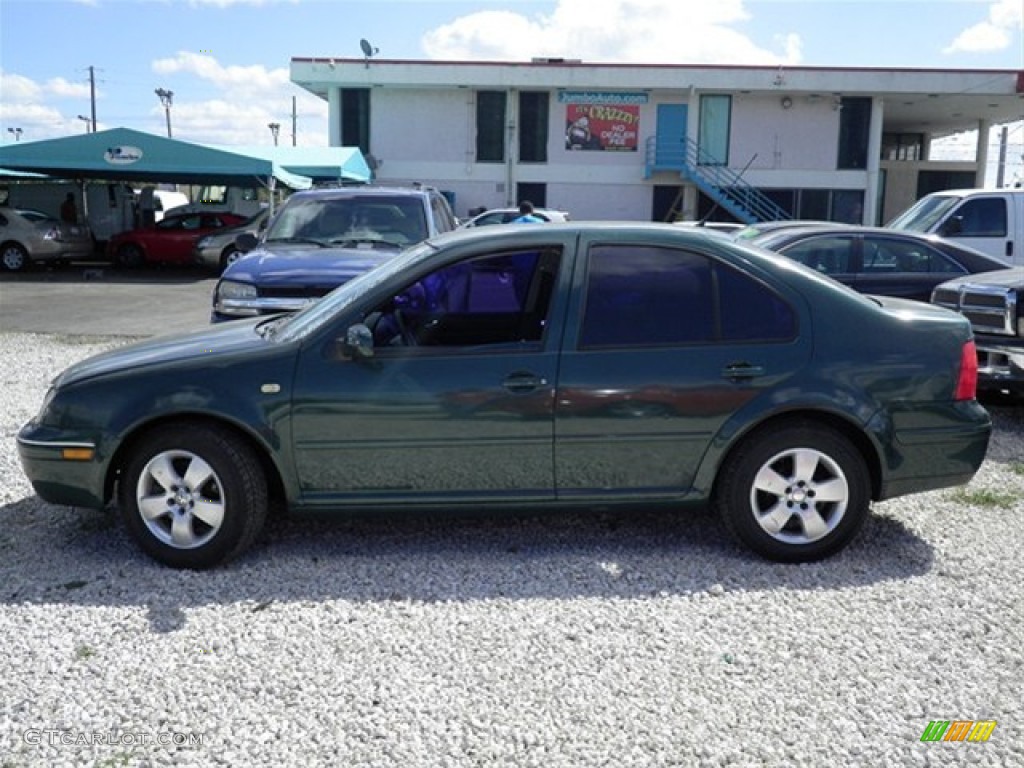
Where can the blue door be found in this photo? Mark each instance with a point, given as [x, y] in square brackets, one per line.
[670, 140]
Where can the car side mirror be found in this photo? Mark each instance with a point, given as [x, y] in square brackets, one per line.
[954, 225]
[245, 242]
[358, 344]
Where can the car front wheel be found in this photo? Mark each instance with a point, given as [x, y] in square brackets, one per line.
[131, 256]
[795, 493]
[193, 496]
[13, 257]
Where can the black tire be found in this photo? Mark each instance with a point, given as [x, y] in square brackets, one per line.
[795, 493]
[204, 490]
[229, 256]
[130, 255]
[13, 257]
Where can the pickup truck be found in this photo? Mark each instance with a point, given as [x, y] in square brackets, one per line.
[994, 303]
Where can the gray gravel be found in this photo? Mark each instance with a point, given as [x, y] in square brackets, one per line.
[558, 641]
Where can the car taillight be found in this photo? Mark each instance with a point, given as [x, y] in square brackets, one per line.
[967, 381]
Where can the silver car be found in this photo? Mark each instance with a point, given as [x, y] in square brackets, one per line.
[217, 250]
[28, 236]
[505, 215]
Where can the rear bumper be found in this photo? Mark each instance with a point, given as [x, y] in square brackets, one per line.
[940, 446]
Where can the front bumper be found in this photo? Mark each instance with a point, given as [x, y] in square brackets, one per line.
[1000, 365]
[56, 478]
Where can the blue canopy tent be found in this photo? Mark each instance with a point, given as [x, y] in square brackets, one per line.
[337, 165]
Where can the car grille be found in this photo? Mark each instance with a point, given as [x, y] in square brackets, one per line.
[989, 308]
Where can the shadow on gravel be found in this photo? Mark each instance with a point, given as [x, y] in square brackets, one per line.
[56, 555]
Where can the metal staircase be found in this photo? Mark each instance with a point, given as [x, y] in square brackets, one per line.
[724, 186]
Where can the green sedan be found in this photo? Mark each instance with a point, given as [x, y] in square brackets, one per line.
[572, 365]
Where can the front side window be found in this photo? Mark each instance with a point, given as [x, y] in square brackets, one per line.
[499, 299]
[828, 255]
[982, 217]
[652, 296]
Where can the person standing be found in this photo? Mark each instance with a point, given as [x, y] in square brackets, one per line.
[526, 214]
[68, 210]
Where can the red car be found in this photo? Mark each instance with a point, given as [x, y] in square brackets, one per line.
[169, 241]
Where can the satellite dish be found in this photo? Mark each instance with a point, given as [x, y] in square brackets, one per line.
[368, 50]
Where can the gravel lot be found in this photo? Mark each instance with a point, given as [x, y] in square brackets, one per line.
[556, 641]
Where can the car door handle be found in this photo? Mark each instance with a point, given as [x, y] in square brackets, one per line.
[523, 382]
[738, 371]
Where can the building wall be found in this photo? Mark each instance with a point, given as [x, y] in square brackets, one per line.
[429, 135]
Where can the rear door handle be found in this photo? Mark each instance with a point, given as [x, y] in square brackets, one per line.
[739, 371]
[523, 382]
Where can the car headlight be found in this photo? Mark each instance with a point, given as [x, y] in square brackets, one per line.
[229, 289]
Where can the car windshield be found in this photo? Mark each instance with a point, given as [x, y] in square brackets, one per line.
[351, 221]
[923, 215]
[313, 317]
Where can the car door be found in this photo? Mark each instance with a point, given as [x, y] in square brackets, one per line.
[174, 236]
[906, 268]
[664, 347]
[456, 403]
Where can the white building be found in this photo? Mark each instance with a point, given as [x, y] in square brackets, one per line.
[655, 142]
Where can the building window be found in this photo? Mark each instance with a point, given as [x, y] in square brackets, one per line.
[854, 132]
[533, 126]
[355, 118]
[490, 126]
[713, 129]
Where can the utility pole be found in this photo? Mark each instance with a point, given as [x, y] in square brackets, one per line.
[293, 121]
[275, 128]
[166, 98]
[92, 96]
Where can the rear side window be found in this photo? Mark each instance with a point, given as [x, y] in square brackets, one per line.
[649, 297]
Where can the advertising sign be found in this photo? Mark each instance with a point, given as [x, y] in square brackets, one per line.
[602, 121]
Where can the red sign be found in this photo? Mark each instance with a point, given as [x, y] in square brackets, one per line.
[606, 127]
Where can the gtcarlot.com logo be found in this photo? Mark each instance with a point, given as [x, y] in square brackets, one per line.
[958, 730]
[63, 737]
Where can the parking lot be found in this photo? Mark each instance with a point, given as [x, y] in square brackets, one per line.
[568, 640]
[101, 300]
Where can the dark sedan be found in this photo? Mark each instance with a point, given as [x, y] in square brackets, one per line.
[563, 366]
[170, 240]
[876, 260]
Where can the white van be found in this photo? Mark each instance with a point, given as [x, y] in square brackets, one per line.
[108, 208]
[245, 201]
[988, 220]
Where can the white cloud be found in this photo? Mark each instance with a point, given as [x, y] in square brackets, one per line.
[17, 88]
[994, 34]
[250, 98]
[638, 31]
[62, 88]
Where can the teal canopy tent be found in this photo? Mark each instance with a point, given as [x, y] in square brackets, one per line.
[125, 154]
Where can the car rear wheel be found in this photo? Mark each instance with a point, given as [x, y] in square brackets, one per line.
[795, 493]
[193, 496]
[130, 255]
[13, 256]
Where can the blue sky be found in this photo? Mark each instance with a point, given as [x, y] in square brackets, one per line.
[226, 61]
